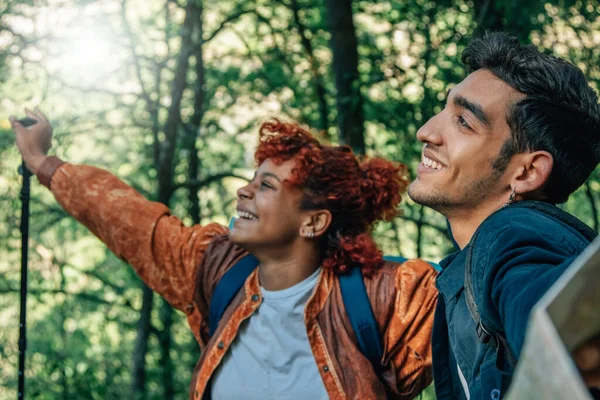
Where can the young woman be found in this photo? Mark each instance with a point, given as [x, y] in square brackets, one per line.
[306, 216]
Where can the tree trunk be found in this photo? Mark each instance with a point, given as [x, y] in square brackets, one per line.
[164, 166]
[314, 64]
[196, 120]
[64, 339]
[504, 16]
[138, 378]
[165, 362]
[420, 232]
[345, 67]
[486, 17]
[592, 200]
[165, 176]
[173, 123]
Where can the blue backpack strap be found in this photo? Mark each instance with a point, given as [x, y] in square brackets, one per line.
[362, 319]
[397, 259]
[354, 294]
[226, 289]
[400, 259]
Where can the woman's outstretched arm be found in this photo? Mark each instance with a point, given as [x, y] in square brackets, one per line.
[165, 253]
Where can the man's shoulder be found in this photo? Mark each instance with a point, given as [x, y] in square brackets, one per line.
[531, 220]
[518, 233]
[510, 227]
[519, 216]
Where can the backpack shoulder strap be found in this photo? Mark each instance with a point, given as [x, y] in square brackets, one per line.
[400, 260]
[226, 289]
[354, 294]
[359, 311]
[397, 259]
[485, 335]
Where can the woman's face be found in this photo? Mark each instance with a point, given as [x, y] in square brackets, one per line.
[269, 214]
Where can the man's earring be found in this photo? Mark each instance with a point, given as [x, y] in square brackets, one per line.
[511, 198]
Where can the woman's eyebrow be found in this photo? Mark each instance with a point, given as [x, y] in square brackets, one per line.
[269, 174]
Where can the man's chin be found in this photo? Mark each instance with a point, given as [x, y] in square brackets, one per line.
[427, 197]
[417, 192]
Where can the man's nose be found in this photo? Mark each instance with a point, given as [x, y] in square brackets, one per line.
[430, 132]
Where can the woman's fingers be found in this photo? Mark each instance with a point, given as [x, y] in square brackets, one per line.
[31, 114]
[40, 114]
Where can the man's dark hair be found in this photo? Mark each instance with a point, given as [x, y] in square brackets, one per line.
[559, 113]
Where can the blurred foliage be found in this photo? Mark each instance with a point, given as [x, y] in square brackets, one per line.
[107, 74]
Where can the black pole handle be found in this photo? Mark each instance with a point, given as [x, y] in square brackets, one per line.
[27, 121]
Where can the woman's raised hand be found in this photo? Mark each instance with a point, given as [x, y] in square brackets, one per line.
[33, 141]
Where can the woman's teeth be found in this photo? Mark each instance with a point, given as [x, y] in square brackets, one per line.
[247, 215]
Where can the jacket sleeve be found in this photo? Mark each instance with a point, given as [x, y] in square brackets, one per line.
[164, 253]
[514, 272]
[407, 333]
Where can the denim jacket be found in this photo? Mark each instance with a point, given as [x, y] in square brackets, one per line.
[519, 253]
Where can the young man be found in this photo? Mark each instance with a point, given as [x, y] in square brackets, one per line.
[521, 131]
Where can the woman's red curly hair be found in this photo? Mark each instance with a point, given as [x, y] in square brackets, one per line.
[356, 192]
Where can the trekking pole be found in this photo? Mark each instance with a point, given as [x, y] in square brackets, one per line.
[24, 196]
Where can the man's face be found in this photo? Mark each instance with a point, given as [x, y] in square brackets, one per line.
[461, 144]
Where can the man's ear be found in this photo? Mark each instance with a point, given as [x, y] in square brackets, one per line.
[533, 172]
[317, 222]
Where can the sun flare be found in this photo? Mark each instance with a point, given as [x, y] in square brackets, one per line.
[87, 55]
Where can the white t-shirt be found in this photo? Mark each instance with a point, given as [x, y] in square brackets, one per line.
[271, 357]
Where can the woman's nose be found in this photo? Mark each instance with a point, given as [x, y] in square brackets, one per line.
[245, 192]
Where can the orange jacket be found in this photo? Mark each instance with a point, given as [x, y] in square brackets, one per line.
[184, 264]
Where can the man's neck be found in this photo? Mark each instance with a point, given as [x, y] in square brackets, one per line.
[464, 223]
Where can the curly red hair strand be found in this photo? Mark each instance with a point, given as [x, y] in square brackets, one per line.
[356, 192]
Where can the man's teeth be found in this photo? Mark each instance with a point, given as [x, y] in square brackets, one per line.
[247, 215]
[432, 164]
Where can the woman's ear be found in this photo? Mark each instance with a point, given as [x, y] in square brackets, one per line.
[317, 223]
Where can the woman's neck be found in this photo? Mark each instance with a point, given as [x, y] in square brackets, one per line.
[286, 269]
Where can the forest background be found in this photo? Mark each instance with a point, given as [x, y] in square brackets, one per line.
[168, 95]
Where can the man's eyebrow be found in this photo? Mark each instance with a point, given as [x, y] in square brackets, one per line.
[476, 109]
